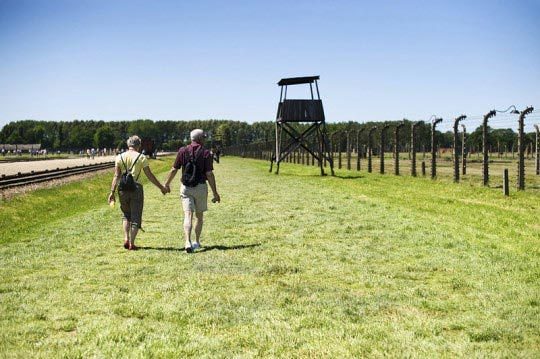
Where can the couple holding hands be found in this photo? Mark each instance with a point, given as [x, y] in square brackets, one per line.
[194, 192]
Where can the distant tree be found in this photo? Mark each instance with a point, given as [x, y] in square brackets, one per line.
[224, 134]
[143, 129]
[15, 138]
[104, 137]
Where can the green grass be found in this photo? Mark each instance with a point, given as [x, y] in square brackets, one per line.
[295, 266]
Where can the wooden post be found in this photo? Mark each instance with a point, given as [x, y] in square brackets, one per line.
[423, 168]
[506, 187]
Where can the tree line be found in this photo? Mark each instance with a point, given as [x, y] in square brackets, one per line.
[170, 135]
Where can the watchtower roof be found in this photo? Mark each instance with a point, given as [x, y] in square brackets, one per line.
[298, 80]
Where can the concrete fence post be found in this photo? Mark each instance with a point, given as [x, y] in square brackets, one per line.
[456, 153]
[413, 148]
[370, 148]
[348, 150]
[521, 147]
[485, 150]
[463, 151]
[434, 148]
[383, 145]
[396, 147]
[537, 150]
[358, 148]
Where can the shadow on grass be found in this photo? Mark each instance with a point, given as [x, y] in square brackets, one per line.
[346, 177]
[227, 248]
[203, 249]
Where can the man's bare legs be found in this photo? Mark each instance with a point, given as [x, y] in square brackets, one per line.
[198, 227]
[188, 219]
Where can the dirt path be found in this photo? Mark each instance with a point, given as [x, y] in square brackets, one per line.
[25, 167]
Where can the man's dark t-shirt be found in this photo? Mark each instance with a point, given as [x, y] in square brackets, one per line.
[203, 161]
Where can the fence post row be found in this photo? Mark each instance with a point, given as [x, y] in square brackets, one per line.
[383, 144]
[396, 147]
[434, 148]
[521, 147]
[456, 153]
[300, 156]
[370, 147]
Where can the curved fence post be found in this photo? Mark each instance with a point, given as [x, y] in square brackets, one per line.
[339, 149]
[358, 148]
[348, 150]
[485, 150]
[456, 153]
[383, 145]
[434, 148]
[413, 148]
[396, 147]
[463, 151]
[370, 147]
[521, 147]
[537, 150]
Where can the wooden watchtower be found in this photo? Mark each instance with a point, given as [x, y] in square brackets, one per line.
[311, 135]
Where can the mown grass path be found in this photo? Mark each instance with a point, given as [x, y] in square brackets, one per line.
[294, 266]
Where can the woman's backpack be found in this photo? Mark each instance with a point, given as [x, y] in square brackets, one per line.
[127, 182]
[190, 177]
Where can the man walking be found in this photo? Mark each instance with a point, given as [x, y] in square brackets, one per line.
[197, 166]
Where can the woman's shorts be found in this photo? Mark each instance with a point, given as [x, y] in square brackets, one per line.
[195, 199]
[131, 204]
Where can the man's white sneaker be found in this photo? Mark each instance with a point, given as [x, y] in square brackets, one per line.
[195, 245]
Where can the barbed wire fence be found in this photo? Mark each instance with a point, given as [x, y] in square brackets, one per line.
[492, 164]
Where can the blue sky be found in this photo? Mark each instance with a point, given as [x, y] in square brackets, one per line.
[183, 60]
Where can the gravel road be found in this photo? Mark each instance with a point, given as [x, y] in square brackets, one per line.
[25, 167]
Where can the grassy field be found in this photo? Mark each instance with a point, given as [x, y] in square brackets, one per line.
[293, 265]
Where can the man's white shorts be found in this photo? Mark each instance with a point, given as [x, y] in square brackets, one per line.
[195, 199]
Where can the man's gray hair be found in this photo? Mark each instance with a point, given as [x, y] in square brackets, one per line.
[197, 135]
[134, 141]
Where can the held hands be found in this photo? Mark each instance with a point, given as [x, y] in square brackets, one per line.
[165, 189]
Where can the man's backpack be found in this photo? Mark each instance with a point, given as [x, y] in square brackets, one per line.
[127, 182]
[190, 177]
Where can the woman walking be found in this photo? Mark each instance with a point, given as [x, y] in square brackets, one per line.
[130, 164]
